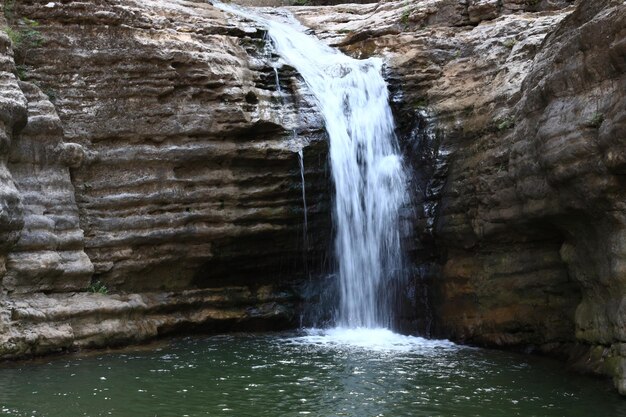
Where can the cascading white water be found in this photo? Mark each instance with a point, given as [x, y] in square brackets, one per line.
[367, 169]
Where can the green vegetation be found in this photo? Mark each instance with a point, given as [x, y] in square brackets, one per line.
[502, 167]
[404, 19]
[14, 36]
[509, 43]
[596, 120]
[20, 71]
[52, 95]
[24, 36]
[9, 10]
[98, 287]
[420, 103]
[504, 123]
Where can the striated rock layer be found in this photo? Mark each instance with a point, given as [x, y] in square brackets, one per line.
[513, 117]
[150, 157]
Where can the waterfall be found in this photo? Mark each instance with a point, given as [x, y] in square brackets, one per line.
[367, 169]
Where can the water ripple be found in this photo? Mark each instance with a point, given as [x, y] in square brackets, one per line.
[317, 373]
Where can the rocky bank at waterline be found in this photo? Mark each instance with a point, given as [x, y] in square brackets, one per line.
[150, 154]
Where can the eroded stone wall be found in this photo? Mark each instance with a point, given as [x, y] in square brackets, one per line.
[151, 157]
[512, 116]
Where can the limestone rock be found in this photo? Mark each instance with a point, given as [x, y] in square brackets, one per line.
[479, 10]
[150, 155]
[512, 115]
[188, 167]
[49, 255]
[36, 324]
[71, 154]
[12, 118]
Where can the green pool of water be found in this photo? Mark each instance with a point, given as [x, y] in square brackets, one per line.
[303, 375]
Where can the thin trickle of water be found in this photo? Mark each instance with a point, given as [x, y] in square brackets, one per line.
[277, 80]
[367, 169]
[306, 220]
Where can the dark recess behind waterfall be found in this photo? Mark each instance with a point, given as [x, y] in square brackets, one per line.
[421, 146]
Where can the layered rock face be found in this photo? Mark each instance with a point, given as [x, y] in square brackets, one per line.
[512, 115]
[149, 154]
[149, 150]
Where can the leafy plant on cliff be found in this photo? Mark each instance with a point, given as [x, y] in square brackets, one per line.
[420, 103]
[52, 95]
[509, 43]
[9, 10]
[98, 287]
[20, 71]
[504, 123]
[404, 19]
[24, 35]
[596, 120]
[14, 36]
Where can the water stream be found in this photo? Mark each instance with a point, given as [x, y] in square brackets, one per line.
[277, 80]
[367, 169]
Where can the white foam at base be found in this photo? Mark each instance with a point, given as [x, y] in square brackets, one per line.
[376, 339]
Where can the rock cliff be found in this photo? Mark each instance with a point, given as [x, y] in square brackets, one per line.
[150, 174]
[512, 114]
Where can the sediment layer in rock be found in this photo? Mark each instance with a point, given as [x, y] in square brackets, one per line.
[36, 324]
